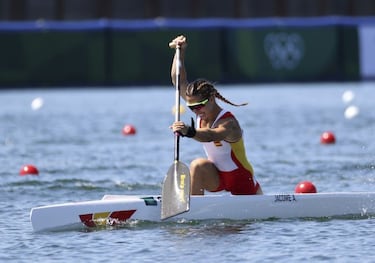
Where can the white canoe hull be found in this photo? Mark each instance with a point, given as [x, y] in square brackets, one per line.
[113, 208]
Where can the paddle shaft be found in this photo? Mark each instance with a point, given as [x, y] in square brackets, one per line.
[177, 110]
[176, 185]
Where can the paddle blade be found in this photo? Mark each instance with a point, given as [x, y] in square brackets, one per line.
[176, 191]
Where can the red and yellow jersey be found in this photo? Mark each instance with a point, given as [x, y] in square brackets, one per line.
[227, 156]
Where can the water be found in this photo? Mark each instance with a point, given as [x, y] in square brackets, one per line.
[75, 140]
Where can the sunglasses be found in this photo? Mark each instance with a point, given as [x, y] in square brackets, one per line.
[197, 105]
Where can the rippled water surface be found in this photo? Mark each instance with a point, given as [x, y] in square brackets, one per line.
[76, 142]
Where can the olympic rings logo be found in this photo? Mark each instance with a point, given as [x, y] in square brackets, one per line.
[284, 50]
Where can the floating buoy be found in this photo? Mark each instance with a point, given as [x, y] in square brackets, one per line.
[327, 138]
[129, 130]
[305, 187]
[29, 169]
[348, 96]
[351, 112]
[37, 103]
[182, 109]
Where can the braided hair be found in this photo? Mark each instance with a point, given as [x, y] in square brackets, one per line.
[205, 89]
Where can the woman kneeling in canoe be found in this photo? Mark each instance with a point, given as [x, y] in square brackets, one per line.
[226, 166]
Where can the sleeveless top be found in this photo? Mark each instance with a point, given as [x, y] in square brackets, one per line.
[227, 156]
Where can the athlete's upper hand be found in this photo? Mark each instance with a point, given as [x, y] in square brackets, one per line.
[179, 41]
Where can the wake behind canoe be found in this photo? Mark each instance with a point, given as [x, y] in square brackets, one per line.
[112, 209]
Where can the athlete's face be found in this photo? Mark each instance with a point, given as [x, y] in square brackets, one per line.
[200, 106]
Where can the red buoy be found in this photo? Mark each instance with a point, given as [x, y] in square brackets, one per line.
[305, 187]
[327, 138]
[29, 169]
[129, 130]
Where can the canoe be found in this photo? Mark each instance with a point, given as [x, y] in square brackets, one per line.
[115, 209]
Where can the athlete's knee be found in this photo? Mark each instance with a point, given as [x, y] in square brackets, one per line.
[199, 163]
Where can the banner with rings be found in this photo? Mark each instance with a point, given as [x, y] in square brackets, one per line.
[284, 53]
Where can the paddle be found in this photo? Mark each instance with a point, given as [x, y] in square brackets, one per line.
[176, 187]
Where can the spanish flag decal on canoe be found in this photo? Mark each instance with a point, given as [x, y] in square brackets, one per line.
[105, 218]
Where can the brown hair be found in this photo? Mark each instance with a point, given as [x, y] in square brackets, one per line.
[205, 89]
